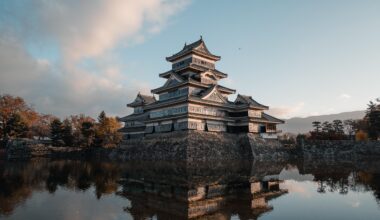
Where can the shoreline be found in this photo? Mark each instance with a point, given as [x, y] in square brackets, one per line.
[201, 146]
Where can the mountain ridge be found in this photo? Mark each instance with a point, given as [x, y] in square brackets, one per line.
[304, 124]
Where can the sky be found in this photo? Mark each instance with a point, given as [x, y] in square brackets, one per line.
[301, 58]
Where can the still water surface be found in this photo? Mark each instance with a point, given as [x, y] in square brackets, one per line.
[69, 189]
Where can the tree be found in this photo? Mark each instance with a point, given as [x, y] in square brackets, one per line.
[111, 135]
[15, 127]
[327, 127]
[9, 107]
[102, 117]
[338, 127]
[76, 123]
[361, 136]
[56, 132]
[349, 127]
[373, 118]
[106, 132]
[361, 125]
[88, 133]
[41, 128]
[317, 126]
[67, 133]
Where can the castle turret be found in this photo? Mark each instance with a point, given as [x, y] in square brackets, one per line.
[193, 99]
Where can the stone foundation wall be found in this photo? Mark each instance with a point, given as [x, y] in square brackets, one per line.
[342, 150]
[21, 149]
[200, 145]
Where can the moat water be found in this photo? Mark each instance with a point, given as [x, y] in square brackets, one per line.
[73, 189]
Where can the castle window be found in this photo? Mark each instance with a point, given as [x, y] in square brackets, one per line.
[174, 94]
[169, 112]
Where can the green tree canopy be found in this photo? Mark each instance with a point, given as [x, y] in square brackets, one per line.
[15, 127]
[56, 130]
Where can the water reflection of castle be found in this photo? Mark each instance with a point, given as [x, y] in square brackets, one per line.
[196, 192]
[217, 190]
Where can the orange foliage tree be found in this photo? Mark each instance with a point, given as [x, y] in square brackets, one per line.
[106, 131]
[11, 108]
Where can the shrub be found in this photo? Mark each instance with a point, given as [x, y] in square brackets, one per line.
[361, 136]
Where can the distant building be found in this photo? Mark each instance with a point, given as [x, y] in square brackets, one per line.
[192, 99]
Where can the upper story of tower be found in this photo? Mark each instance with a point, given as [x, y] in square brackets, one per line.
[193, 68]
[196, 54]
[193, 60]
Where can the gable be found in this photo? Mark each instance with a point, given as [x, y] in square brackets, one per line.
[215, 96]
[138, 99]
[210, 75]
[240, 100]
[202, 47]
[173, 80]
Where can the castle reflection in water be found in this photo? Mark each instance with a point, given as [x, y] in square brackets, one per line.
[194, 190]
[213, 190]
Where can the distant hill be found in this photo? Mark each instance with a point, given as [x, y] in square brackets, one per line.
[303, 125]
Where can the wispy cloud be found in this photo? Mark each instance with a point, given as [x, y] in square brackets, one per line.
[81, 30]
[344, 96]
[287, 111]
[297, 187]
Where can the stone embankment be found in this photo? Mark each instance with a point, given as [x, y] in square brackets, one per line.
[342, 150]
[25, 148]
[200, 145]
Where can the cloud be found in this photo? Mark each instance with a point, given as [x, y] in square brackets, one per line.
[355, 204]
[87, 28]
[287, 111]
[58, 91]
[297, 187]
[344, 96]
[81, 30]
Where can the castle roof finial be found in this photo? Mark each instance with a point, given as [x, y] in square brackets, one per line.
[201, 37]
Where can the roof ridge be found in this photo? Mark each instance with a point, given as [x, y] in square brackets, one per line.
[192, 48]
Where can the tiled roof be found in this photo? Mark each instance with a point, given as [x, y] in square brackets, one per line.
[134, 117]
[166, 74]
[271, 118]
[148, 99]
[223, 88]
[198, 67]
[142, 100]
[187, 81]
[249, 100]
[197, 47]
[219, 73]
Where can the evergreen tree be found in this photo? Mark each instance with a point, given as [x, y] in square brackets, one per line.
[338, 127]
[15, 127]
[88, 133]
[56, 131]
[67, 133]
[102, 117]
[373, 118]
[99, 130]
[317, 126]
[327, 127]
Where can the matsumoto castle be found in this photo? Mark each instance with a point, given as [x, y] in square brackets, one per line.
[192, 99]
